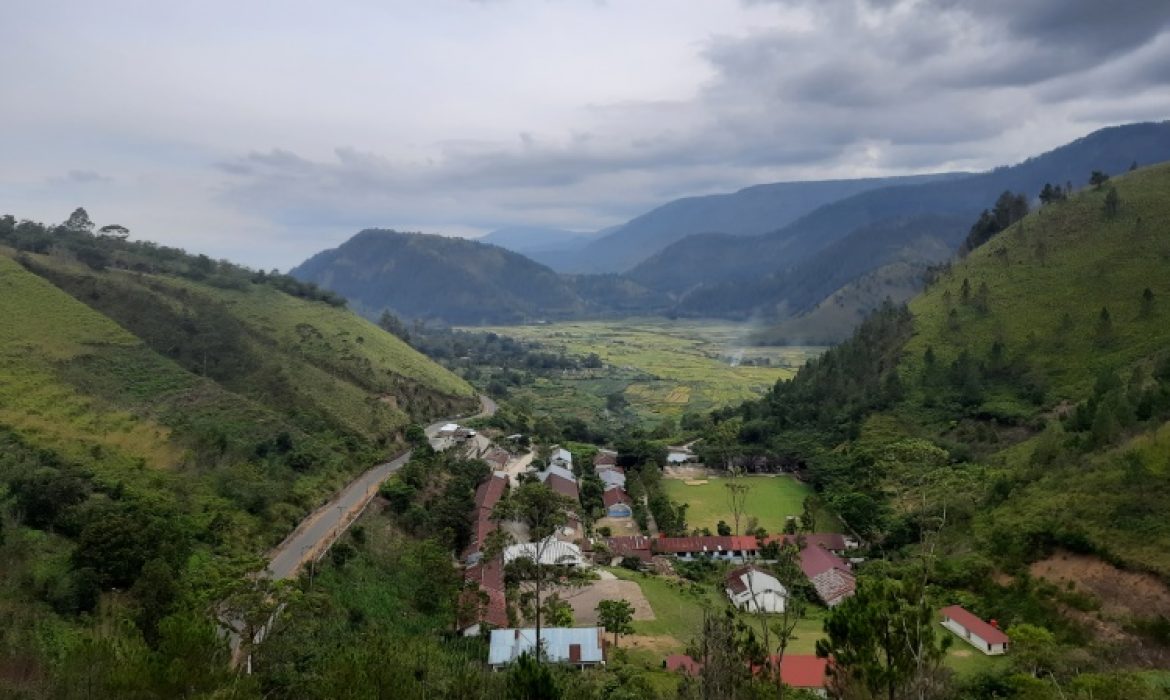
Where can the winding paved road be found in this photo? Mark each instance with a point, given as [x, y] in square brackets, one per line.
[318, 531]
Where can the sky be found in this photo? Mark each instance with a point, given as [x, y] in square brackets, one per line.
[263, 132]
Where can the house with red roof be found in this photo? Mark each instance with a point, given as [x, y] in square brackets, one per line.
[828, 573]
[617, 503]
[800, 671]
[987, 637]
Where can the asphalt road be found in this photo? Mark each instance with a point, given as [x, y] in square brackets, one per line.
[323, 526]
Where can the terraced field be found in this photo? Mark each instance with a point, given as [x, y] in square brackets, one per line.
[664, 367]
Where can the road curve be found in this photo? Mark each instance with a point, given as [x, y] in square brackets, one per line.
[320, 528]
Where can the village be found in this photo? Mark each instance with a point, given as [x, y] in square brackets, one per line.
[661, 584]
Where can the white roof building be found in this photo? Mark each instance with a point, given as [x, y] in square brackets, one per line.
[753, 590]
[579, 646]
[612, 479]
[562, 472]
[679, 457]
[561, 458]
[553, 551]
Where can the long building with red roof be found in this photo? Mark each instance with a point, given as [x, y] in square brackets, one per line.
[987, 637]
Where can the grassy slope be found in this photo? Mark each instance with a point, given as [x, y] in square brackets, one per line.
[1067, 259]
[75, 382]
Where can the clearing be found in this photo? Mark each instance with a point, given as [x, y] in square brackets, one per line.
[770, 499]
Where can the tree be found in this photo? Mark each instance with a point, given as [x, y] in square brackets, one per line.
[557, 612]
[722, 528]
[544, 511]
[1034, 649]
[808, 514]
[788, 573]
[116, 231]
[528, 679]
[737, 492]
[615, 616]
[882, 641]
[1097, 179]
[1147, 307]
[1112, 203]
[1104, 330]
[79, 221]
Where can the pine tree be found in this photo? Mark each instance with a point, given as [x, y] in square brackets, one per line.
[1112, 203]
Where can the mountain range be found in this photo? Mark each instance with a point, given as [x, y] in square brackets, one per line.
[806, 260]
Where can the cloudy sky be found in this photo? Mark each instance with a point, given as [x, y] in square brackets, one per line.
[265, 131]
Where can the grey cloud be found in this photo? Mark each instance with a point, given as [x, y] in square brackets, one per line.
[80, 177]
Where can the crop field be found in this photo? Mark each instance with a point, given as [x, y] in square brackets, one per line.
[663, 367]
[770, 499]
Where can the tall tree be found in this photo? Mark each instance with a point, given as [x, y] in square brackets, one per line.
[79, 221]
[615, 616]
[544, 512]
[737, 491]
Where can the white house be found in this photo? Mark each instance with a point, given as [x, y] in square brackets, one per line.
[678, 457]
[578, 646]
[561, 458]
[612, 478]
[551, 550]
[987, 638]
[753, 590]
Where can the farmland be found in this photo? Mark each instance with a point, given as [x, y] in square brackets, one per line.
[662, 368]
[770, 499]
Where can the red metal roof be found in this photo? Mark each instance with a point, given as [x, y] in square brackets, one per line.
[971, 622]
[490, 491]
[680, 545]
[613, 497]
[797, 670]
[562, 486]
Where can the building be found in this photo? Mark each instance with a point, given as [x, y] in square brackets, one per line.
[754, 590]
[605, 459]
[561, 458]
[577, 646]
[636, 546]
[800, 671]
[613, 478]
[986, 637]
[552, 551]
[489, 604]
[617, 503]
[497, 458]
[828, 573]
[742, 547]
[448, 429]
[675, 457]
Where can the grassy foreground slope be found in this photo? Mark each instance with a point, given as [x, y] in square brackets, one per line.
[165, 419]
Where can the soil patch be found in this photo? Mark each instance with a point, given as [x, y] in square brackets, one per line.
[585, 600]
[1121, 593]
[659, 644]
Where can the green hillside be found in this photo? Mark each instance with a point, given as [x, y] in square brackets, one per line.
[164, 420]
[1011, 427]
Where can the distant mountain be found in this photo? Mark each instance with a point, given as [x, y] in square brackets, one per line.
[751, 211]
[535, 239]
[790, 271]
[458, 281]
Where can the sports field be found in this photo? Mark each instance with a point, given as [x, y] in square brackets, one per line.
[770, 499]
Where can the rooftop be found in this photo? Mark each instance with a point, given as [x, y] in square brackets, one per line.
[971, 621]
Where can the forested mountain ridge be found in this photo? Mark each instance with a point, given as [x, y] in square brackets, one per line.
[164, 420]
[782, 273]
[1024, 398]
[458, 281]
[750, 211]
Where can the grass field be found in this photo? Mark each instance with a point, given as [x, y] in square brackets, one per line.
[770, 499]
[664, 368]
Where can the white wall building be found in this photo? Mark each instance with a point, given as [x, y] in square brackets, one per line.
[753, 590]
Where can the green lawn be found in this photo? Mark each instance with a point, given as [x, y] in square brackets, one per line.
[678, 609]
[770, 499]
